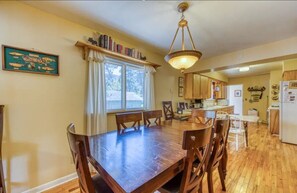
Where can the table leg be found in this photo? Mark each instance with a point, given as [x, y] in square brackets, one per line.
[246, 132]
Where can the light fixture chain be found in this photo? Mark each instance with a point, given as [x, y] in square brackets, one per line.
[193, 45]
[170, 50]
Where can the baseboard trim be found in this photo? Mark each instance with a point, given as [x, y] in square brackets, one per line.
[52, 184]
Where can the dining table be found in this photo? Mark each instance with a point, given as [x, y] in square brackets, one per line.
[140, 160]
[245, 119]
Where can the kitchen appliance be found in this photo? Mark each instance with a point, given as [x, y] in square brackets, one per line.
[288, 111]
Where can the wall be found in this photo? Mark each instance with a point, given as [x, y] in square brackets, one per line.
[39, 107]
[262, 105]
[290, 65]
[275, 78]
[216, 75]
[275, 51]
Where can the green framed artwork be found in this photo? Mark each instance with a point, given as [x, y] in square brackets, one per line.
[23, 60]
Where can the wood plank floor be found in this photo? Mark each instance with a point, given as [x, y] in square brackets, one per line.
[267, 165]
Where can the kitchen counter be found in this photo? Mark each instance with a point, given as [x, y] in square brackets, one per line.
[215, 108]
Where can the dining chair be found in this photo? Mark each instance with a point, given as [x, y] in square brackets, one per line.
[198, 144]
[203, 117]
[156, 114]
[168, 111]
[122, 118]
[237, 129]
[222, 115]
[80, 150]
[218, 152]
[2, 180]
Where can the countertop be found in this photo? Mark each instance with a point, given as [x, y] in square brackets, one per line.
[214, 108]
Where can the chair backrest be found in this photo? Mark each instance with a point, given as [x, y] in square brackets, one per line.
[222, 115]
[168, 111]
[122, 118]
[198, 144]
[219, 142]
[235, 123]
[203, 117]
[156, 114]
[181, 105]
[78, 146]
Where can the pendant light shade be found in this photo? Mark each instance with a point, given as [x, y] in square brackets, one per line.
[183, 58]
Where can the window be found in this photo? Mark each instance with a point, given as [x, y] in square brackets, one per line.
[124, 86]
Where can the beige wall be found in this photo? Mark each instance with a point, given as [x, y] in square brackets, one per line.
[275, 51]
[216, 75]
[290, 65]
[275, 78]
[39, 107]
[262, 105]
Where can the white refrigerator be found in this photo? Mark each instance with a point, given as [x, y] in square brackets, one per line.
[288, 112]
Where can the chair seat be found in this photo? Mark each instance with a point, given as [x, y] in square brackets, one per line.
[173, 185]
[100, 185]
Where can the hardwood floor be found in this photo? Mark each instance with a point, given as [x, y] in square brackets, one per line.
[267, 165]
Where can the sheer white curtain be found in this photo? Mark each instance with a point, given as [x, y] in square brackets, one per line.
[96, 108]
[149, 89]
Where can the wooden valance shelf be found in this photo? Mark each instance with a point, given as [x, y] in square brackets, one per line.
[86, 47]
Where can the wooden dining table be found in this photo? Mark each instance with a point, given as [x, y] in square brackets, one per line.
[140, 160]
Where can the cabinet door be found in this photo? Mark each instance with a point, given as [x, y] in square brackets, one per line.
[205, 87]
[224, 90]
[196, 86]
[188, 86]
[290, 75]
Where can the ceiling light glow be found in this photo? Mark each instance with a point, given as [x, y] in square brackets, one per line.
[244, 69]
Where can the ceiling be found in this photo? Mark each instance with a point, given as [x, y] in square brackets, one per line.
[217, 27]
[257, 69]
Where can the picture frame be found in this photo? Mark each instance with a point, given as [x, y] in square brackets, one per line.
[181, 91]
[180, 81]
[180, 86]
[23, 60]
[237, 93]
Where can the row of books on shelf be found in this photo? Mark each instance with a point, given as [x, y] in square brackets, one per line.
[106, 42]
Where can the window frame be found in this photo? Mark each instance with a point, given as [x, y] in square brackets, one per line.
[124, 66]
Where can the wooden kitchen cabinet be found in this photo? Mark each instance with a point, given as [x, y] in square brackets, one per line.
[205, 87]
[290, 75]
[197, 86]
[192, 86]
[188, 92]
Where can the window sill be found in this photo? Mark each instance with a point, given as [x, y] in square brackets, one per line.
[127, 111]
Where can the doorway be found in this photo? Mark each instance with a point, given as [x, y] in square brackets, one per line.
[235, 97]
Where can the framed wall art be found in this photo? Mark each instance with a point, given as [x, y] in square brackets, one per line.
[237, 93]
[23, 60]
[180, 86]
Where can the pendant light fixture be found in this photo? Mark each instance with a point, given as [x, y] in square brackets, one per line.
[183, 58]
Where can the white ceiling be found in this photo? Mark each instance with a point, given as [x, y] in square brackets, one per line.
[257, 69]
[217, 27]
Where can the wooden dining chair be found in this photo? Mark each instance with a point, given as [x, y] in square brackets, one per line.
[156, 114]
[122, 118]
[198, 145]
[80, 150]
[2, 180]
[218, 152]
[168, 111]
[203, 117]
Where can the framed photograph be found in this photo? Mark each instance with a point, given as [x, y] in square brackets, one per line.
[23, 60]
[180, 81]
[237, 93]
[180, 91]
